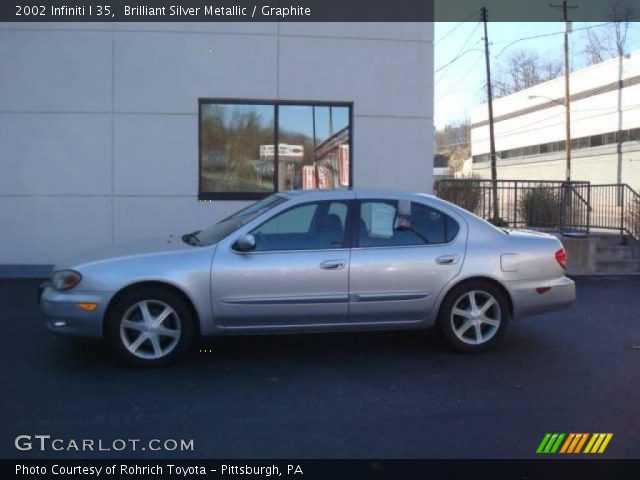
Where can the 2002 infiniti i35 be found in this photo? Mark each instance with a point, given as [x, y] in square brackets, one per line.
[308, 261]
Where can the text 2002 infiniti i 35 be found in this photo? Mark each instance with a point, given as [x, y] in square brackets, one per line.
[308, 261]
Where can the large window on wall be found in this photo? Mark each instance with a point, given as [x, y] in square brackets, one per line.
[238, 158]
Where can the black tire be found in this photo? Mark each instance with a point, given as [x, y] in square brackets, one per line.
[459, 296]
[181, 320]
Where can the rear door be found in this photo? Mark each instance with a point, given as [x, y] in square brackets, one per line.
[404, 253]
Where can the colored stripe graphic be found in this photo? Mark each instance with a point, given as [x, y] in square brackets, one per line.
[598, 443]
[544, 441]
[550, 443]
[581, 442]
[594, 437]
[556, 445]
[605, 443]
[572, 443]
[567, 443]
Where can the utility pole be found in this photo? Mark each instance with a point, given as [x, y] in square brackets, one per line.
[567, 95]
[492, 141]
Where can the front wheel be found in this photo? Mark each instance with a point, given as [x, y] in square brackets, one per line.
[150, 327]
[474, 316]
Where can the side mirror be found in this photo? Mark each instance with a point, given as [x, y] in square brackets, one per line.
[246, 243]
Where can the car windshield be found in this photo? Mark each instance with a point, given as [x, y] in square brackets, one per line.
[230, 224]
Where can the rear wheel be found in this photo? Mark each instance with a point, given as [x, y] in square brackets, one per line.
[150, 327]
[474, 316]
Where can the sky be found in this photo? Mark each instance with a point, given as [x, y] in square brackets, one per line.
[460, 86]
[300, 119]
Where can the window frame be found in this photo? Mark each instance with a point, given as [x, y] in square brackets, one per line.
[208, 196]
[357, 212]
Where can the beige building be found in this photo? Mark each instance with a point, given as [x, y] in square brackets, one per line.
[530, 128]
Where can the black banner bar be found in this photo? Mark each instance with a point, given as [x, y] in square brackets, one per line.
[305, 10]
[546, 469]
[216, 11]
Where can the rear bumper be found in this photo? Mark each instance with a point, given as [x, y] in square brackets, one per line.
[63, 315]
[527, 301]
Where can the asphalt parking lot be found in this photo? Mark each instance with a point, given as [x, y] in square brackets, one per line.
[372, 395]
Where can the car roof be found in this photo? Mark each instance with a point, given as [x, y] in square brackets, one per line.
[362, 193]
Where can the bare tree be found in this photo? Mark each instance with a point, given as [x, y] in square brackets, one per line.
[523, 69]
[453, 135]
[611, 40]
[452, 144]
[457, 158]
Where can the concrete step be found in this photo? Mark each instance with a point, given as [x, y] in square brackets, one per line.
[608, 239]
[617, 266]
[616, 252]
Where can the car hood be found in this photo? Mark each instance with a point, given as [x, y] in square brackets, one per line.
[149, 246]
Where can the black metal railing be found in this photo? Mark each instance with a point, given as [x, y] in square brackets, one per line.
[616, 206]
[548, 205]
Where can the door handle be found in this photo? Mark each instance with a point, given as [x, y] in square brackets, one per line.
[447, 260]
[333, 264]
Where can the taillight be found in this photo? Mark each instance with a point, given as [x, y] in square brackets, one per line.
[561, 257]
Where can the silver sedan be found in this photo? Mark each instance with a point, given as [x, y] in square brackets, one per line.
[311, 261]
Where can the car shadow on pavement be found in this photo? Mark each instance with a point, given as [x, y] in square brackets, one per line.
[340, 347]
[302, 350]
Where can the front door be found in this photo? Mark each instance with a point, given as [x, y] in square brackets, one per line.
[296, 275]
[404, 254]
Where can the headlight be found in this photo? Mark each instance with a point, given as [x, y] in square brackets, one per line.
[65, 279]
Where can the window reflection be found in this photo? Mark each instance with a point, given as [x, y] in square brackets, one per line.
[232, 141]
[238, 154]
[314, 147]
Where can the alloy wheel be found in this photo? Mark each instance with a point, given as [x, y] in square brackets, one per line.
[150, 329]
[475, 317]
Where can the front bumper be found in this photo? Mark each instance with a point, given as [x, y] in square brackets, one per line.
[527, 301]
[63, 315]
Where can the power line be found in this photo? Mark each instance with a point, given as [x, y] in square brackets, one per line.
[456, 27]
[542, 35]
[510, 44]
[461, 52]
[451, 89]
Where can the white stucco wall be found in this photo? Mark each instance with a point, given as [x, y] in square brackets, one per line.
[598, 165]
[99, 127]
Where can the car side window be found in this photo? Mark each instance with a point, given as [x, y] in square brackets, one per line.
[311, 226]
[433, 225]
[381, 224]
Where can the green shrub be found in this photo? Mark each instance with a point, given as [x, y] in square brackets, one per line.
[498, 222]
[540, 207]
[467, 194]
